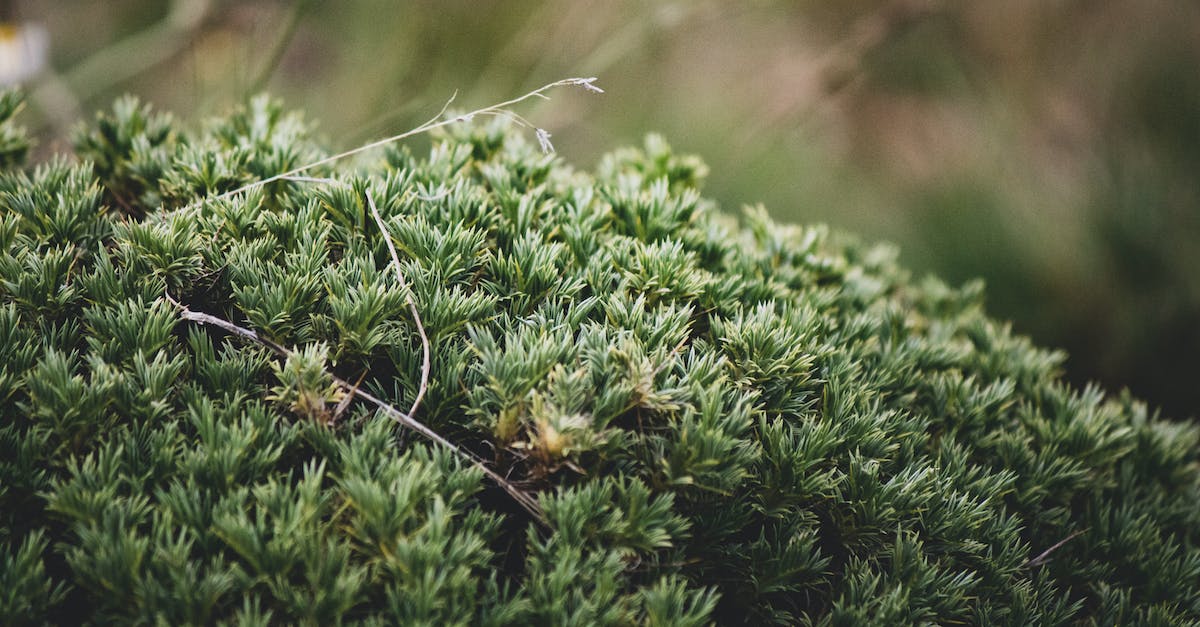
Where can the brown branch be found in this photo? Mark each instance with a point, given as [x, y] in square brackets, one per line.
[524, 499]
[345, 402]
[1043, 557]
[672, 355]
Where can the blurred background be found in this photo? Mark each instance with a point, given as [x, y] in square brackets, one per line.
[1051, 147]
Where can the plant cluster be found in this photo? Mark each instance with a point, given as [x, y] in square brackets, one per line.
[720, 422]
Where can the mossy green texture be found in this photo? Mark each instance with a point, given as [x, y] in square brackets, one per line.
[724, 420]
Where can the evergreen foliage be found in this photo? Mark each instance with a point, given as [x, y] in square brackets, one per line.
[755, 423]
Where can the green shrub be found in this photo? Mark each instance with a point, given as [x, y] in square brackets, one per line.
[737, 424]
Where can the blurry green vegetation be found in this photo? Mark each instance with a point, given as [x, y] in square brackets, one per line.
[1051, 148]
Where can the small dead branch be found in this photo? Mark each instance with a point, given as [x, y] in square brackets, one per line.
[1044, 556]
[671, 356]
[522, 498]
[345, 402]
[426, 349]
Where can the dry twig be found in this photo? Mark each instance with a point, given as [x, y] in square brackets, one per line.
[1044, 556]
[426, 348]
[524, 499]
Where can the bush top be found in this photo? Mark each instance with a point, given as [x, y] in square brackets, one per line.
[718, 420]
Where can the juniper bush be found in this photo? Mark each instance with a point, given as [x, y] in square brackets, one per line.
[722, 419]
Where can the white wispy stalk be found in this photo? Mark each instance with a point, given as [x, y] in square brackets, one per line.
[500, 109]
[543, 138]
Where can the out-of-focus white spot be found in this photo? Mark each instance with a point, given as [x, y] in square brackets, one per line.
[24, 49]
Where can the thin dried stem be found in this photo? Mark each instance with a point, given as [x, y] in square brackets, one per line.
[433, 123]
[412, 305]
[524, 499]
[1044, 556]
[344, 404]
[426, 349]
[313, 179]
